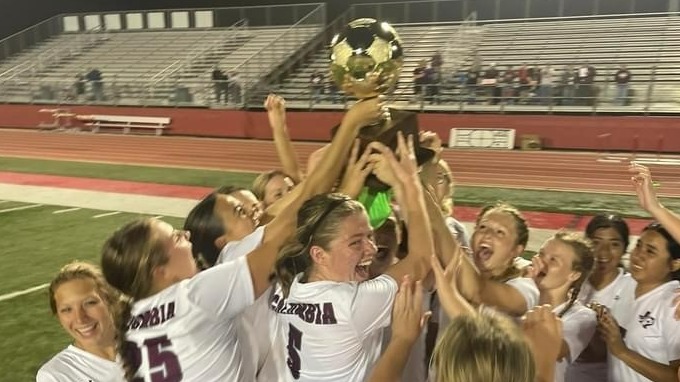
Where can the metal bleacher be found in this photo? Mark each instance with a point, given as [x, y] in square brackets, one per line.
[163, 66]
[647, 45]
[172, 66]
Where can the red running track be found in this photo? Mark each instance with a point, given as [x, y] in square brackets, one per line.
[566, 171]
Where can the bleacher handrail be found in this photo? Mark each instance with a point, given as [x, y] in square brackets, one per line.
[178, 65]
[281, 36]
[72, 46]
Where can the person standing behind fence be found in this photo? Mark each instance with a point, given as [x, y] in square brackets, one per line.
[221, 84]
[94, 76]
[316, 85]
[546, 88]
[622, 78]
[419, 80]
[567, 83]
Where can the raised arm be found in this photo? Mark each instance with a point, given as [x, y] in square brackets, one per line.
[644, 188]
[450, 298]
[408, 320]
[261, 262]
[276, 113]
[402, 175]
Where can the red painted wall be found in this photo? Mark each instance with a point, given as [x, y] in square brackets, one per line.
[564, 132]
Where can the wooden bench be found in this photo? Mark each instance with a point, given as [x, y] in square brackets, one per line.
[62, 119]
[125, 122]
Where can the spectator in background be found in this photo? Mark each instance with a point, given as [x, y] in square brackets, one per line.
[316, 85]
[585, 78]
[567, 80]
[545, 91]
[333, 92]
[508, 86]
[524, 78]
[622, 78]
[436, 63]
[431, 83]
[419, 80]
[94, 77]
[221, 84]
[471, 81]
[490, 83]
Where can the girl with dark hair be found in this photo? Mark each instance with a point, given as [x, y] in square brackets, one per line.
[179, 324]
[331, 323]
[608, 286]
[562, 265]
[649, 349]
[84, 304]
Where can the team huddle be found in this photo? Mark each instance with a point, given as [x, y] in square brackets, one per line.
[294, 280]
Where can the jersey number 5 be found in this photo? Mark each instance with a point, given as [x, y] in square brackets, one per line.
[294, 347]
[161, 358]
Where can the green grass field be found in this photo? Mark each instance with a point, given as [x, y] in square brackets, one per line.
[36, 243]
[531, 200]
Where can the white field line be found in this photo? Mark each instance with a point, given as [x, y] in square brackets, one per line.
[66, 210]
[159, 217]
[12, 295]
[20, 208]
[106, 214]
[4, 201]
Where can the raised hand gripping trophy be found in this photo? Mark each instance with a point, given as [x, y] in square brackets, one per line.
[366, 60]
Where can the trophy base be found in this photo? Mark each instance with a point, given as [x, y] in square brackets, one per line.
[400, 120]
[386, 133]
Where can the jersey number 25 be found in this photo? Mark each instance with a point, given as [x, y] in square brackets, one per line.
[161, 358]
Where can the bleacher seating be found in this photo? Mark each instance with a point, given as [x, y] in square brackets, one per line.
[648, 46]
[143, 67]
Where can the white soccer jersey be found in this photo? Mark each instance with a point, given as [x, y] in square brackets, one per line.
[578, 327]
[527, 288]
[257, 325]
[74, 364]
[333, 330]
[651, 331]
[618, 296]
[187, 331]
[236, 249]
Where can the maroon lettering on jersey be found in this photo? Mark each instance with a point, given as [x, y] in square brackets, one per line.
[329, 314]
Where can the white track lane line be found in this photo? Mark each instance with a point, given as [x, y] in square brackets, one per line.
[21, 208]
[106, 214]
[12, 295]
[66, 210]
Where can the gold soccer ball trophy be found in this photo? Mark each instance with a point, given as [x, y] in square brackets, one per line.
[366, 60]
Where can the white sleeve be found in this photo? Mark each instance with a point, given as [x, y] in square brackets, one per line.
[44, 376]
[578, 330]
[527, 288]
[458, 231]
[372, 304]
[240, 248]
[224, 290]
[672, 333]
